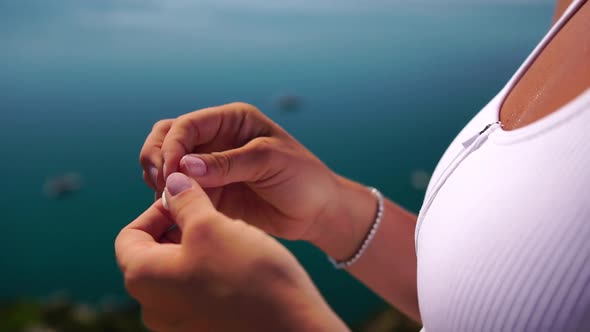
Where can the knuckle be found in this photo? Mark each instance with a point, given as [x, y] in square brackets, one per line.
[267, 149]
[183, 119]
[244, 107]
[264, 145]
[223, 163]
[161, 124]
[183, 132]
[246, 110]
[151, 145]
[144, 158]
[146, 153]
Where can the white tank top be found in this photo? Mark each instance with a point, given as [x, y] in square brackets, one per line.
[503, 235]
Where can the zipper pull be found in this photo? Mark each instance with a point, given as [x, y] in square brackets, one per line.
[472, 139]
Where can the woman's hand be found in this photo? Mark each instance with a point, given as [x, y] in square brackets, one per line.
[251, 168]
[219, 275]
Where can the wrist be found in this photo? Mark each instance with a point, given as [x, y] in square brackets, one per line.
[346, 222]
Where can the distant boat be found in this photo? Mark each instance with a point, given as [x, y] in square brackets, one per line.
[288, 102]
[63, 185]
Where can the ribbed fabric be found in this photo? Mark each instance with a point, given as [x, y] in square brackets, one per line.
[504, 242]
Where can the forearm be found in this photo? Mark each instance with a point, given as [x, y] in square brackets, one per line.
[388, 266]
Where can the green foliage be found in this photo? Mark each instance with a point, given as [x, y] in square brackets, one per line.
[60, 314]
[65, 316]
[388, 320]
[18, 315]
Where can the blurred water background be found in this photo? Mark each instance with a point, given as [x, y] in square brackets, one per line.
[385, 87]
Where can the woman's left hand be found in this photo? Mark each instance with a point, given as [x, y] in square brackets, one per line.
[214, 273]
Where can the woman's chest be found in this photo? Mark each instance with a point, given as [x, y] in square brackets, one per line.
[504, 244]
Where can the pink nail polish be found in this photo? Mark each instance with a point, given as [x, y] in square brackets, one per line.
[153, 173]
[177, 183]
[195, 166]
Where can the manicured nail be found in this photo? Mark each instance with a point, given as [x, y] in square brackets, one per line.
[177, 183]
[195, 166]
[153, 173]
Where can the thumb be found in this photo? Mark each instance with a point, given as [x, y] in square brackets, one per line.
[186, 201]
[255, 161]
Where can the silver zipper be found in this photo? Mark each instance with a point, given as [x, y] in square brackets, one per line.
[469, 145]
[472, 139]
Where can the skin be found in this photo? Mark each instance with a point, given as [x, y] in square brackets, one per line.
[560, 7]
[257, 172]
[254, 180]
[548, 83]
[193, 284]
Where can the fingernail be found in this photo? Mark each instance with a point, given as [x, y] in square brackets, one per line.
[195, 166]
[164, 169]
[177, 183]
[153, 172]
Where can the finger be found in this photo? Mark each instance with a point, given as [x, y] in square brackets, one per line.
[258, 160]
[237, 122]
[150, 156]
[187, 203]
[142, 234]
[154, 221]
[173, 235]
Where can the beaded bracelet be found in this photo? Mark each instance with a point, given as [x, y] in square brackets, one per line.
[368, 238]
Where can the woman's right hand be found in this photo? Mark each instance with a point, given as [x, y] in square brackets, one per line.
[251, 168]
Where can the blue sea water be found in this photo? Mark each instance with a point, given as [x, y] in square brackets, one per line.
[385, 89]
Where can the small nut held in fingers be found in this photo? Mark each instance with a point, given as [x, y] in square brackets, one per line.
[164, 202]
